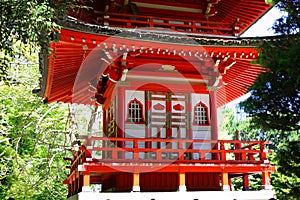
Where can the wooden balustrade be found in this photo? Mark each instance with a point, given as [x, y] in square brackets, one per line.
[172, 151]
[172, 155]
[190, 26]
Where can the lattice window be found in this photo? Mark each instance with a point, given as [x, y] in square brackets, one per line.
[135, 111]
[201, 114]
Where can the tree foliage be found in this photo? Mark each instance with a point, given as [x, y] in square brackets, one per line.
[286, 180]
[32, 136]
[274, 103]
[30, 22]
[275, 99]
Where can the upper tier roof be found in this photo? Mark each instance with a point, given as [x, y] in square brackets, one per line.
[220, 17]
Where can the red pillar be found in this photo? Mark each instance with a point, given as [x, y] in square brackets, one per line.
[168, 115]
[148, 105]
[189, 131]
[214, 121]
[104, 125]
[245, 183]
[120, 118]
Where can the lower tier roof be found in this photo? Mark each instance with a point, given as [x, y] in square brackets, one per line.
[74, 69]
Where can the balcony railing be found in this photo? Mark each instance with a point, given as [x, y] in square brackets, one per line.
[158, 150]
[165, 24]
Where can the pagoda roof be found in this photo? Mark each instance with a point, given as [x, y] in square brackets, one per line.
[77, 62]
[237, 14]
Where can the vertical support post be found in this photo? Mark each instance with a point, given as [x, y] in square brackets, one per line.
[245, 183]
[238, 146]
[266, 180]
[181, 182]
[230, 184]
[214, 121]
[73, 186]
[148, 105]
[104, 125]
[120, 119]
[77, 182]
[189, 130]
[225, 181]
[80, 182]
[70, 189]
[135, 149]
[168, 122]
[136, 182]
[104, 122]
[263, 155]
[223, 153]
[151, 22]
[168, 115]
[86, 182]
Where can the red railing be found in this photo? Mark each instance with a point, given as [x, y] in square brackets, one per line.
[181, 25]
[158, 150]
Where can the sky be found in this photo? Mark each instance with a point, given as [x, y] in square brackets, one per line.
[263, 27]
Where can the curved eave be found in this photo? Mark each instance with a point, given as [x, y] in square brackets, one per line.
[76, 60]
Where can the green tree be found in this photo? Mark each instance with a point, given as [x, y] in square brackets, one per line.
[275, 95]
[31, 22]
[32, 136]
[286, 180]
[274, 103]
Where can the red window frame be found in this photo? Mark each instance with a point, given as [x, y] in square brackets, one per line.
[128, 120]
[195, 121]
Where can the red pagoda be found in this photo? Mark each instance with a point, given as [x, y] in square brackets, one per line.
[159, 69]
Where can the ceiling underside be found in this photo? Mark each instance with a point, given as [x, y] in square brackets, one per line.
[79, 60]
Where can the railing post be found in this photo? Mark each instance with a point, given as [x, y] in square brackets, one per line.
[262, 152]
[151, 22]
[193, 26]
[250, 155]
[114, 152]
[223, 152]
[135, 149]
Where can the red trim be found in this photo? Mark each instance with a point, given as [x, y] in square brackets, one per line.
[175, 88]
